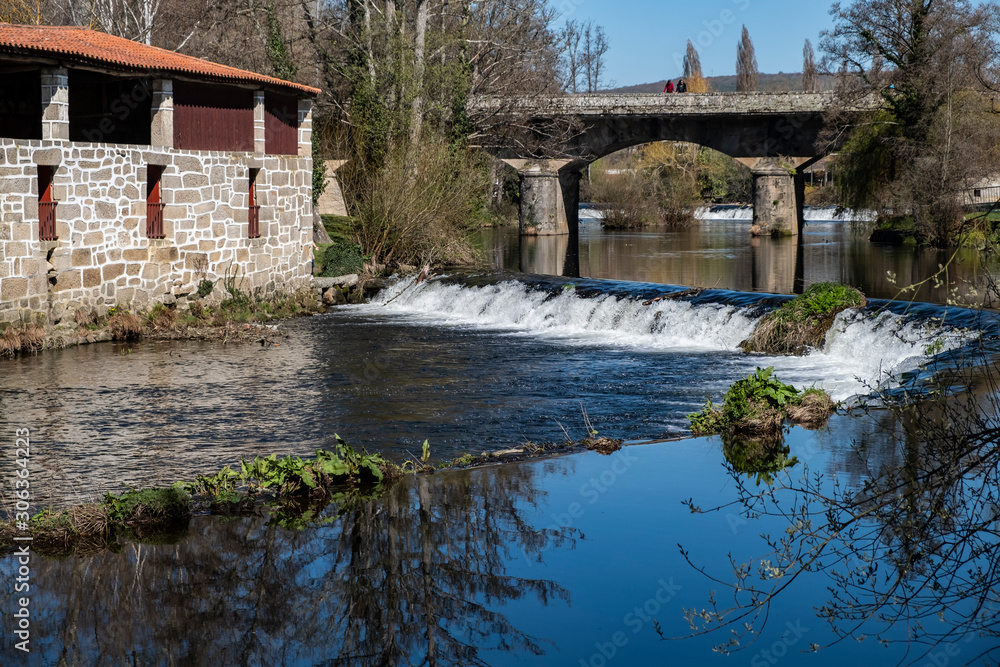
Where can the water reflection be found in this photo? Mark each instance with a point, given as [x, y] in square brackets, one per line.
[721, 254]
[413, 578]
[759, 458]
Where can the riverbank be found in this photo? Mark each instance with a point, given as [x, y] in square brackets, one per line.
[240, 318]
[296, 490]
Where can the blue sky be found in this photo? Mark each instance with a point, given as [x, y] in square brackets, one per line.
[648, 37]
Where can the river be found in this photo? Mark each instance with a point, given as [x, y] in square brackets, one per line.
[567, 561]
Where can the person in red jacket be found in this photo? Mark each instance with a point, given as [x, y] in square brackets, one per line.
[669, 88]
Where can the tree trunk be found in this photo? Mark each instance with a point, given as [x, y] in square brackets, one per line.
[419, 55]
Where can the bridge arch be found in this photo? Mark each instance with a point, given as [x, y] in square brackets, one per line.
[775, 134]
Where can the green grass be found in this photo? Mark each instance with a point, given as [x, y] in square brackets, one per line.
[339, 227]
[147, 505]
[803, 322]
[899, 223]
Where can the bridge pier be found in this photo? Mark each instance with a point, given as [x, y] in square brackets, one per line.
[550, 197]
[778, 197]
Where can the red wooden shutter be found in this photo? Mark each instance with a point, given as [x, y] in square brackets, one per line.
[253, 214]
[46, 206]
[154, 206]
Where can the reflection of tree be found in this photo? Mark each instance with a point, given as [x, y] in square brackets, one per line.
[761, 458]
[412, 578]
[912, 551]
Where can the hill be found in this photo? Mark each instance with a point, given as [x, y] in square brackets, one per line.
[727, 84]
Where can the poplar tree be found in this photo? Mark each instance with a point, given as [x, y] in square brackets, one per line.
[810, 75]
[747, 75]
[692, 71]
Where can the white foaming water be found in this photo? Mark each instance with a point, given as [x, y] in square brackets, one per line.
[745, 214]
[861, 352]
[814, 213]
[603, 321]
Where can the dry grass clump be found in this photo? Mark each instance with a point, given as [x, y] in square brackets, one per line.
[25, 338]
[78, 530]
[85, 319]
[162, 318]
[10, 342]
[32, 338]
[604, 446]
[761, 419]
[125, 327]
[813, 411]
[802, 323]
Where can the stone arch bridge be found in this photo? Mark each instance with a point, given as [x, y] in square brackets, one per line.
[775, 134]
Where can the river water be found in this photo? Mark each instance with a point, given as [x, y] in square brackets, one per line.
[716, 251]
[537, 563]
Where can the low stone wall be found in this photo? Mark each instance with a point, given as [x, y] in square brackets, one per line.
[103, 256]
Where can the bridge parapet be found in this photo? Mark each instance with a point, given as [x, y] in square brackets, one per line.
[679, 104]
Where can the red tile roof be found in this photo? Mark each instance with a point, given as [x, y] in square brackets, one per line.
[73, 44]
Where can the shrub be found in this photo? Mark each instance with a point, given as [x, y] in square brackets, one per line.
[340, 259]
[803, 322]
[758, 404]
[423, 206]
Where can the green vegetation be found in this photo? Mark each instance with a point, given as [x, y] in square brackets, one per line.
[339, 227]
[292, 476]
[338, 259]
[759, 457]
[758, 405]
[292, 484]
[663, 183]
[932, 129]
[803, 322]
[147, 505]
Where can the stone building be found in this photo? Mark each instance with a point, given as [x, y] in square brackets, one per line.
[130, 174]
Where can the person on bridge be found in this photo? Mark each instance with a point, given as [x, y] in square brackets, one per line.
[669, 88]
[682, 86]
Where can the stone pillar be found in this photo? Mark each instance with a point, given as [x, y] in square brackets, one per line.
[777, 206]
[259, 135]
[305, 128]
[55, 104]
[162, 114]
[550, 196]
[542, 209]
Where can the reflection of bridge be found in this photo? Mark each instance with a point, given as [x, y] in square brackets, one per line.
[775, 134]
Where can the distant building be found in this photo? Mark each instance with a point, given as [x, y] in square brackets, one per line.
[129, 174]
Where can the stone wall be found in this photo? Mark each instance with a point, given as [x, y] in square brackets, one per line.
[639, 104]
[103, 256]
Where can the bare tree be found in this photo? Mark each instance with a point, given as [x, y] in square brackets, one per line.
[928, 68]
[21, 11]
[696, 82]
[570, 43]
[419, 55]
[810, 75]
[747, 75]
[131, 19]
[692, 62]
[595, 45]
